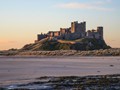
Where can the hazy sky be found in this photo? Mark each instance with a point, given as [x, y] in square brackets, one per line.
[22, 20]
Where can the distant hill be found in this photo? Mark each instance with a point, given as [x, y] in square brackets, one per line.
[79, 44]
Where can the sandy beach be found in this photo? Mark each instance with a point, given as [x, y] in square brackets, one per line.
[20, 69]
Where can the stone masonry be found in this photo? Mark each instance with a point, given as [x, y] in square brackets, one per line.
[76, 31]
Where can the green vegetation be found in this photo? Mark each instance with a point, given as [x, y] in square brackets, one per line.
[80, 44]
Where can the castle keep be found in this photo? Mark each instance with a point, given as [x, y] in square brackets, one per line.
[76, 31]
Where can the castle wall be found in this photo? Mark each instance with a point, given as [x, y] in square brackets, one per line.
[76, 31]
[98, 34]
[89, 34]
[57, 33]
[41, 36]
[50, 34]
[100, 31]
[71, 36]
[62, 31]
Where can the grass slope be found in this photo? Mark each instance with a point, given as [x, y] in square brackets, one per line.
[79, 44]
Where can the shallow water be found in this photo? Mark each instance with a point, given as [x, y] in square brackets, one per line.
[26, 68]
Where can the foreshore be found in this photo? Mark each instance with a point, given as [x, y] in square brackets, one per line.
[101, 52]
[59, 72]
[95, 82]
[14, 69]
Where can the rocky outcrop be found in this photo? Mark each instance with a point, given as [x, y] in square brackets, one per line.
[98, 82]
[79, 44]
[80, 47]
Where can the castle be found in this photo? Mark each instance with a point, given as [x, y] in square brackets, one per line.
[76, 31]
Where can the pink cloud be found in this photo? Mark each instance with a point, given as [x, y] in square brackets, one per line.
[93, 6]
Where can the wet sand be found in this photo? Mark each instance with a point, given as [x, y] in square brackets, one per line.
[19, 69]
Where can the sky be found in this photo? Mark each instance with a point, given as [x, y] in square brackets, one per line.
[22, 20]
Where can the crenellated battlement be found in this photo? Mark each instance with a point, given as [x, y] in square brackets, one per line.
[76, 31]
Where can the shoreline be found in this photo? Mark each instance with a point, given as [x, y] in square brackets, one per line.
[38, 56]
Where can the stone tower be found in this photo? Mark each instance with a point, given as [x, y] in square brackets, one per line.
[78, 27]
[81, 27]
[100, 31]
[73, 26]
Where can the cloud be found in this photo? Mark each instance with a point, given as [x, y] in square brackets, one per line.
[98, 5]
[109, 1]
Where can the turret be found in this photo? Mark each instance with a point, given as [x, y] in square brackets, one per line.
[84, 26]
[73, 26]
[100, 31]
